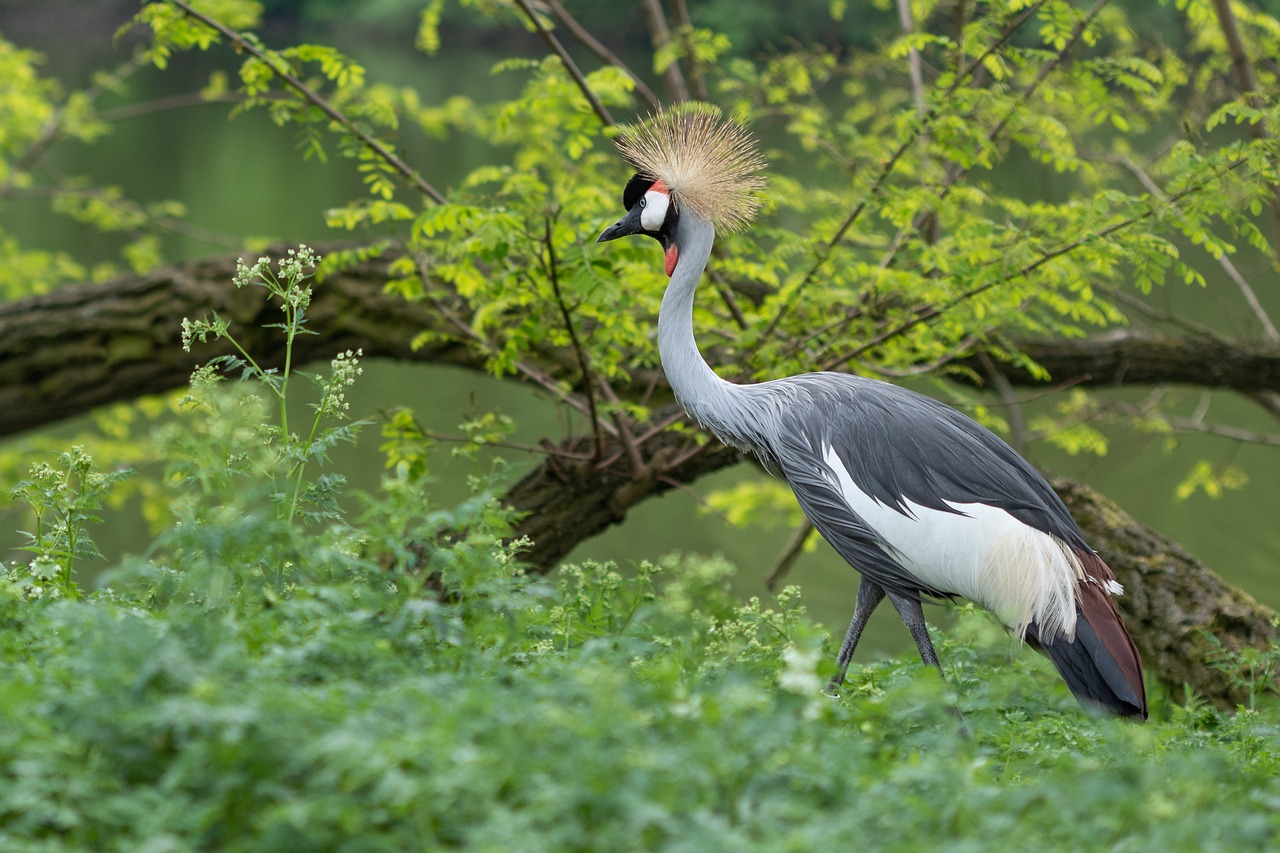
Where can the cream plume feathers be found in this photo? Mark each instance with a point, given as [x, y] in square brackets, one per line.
[710, 164]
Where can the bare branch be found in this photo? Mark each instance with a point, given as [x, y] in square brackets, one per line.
[790, 553]
[591, 43]
[661, 36]
[572, 67]
[684, 28]
[172, 102]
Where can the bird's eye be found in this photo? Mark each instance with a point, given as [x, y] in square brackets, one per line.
[642, 202]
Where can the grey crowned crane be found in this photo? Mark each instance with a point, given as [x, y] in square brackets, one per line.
[924, 502]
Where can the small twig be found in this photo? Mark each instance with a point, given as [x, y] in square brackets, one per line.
[580, 353]
[791, 553]
[676, 484]
[548, 450]
[1202, 410]
[411, 176]
[1044, 393]
[624, 432]
[1268, 400]
[172, 102]
[1195, 425]
[1145, 308]
[565, 59]
[726, 294]
[666, 419]
[591, 43]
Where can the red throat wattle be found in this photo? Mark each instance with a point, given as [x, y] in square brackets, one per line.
[673, 255]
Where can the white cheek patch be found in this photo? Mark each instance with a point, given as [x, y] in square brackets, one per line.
[655, 210]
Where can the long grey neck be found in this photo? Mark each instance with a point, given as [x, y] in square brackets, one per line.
[705, 396]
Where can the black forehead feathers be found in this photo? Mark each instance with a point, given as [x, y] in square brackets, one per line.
[636, 188]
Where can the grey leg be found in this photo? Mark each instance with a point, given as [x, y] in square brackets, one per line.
[870, 594]
[913, 615]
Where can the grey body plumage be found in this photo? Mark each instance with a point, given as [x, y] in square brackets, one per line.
[921, 499]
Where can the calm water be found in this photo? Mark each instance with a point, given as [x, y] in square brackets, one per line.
[243, 178]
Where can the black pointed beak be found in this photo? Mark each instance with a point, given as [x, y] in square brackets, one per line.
[624, 227]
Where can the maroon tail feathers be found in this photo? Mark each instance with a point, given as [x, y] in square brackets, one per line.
[1101, 665]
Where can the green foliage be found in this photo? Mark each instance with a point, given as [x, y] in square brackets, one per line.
[1210, 479]
[63, 499]
[36, 113]
[598, 711]
[769, 504]
[1253, 672]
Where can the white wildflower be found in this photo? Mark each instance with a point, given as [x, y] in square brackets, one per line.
[800, 672]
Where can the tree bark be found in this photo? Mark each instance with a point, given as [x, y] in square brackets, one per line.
[565, 503]
[1181, 614]
[1129, 357]
[67, 352]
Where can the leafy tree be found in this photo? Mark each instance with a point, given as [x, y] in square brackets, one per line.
[273, 644]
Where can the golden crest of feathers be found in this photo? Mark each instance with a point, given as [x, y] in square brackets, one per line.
[710, 164]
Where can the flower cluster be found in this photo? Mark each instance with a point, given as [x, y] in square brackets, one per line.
[44, 570]
[251, 275]
[193, 330]
[343, 372]
[300, 263]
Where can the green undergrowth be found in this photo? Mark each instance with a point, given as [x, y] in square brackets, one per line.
[272, 690]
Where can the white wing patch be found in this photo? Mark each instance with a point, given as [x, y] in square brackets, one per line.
[980, 552]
